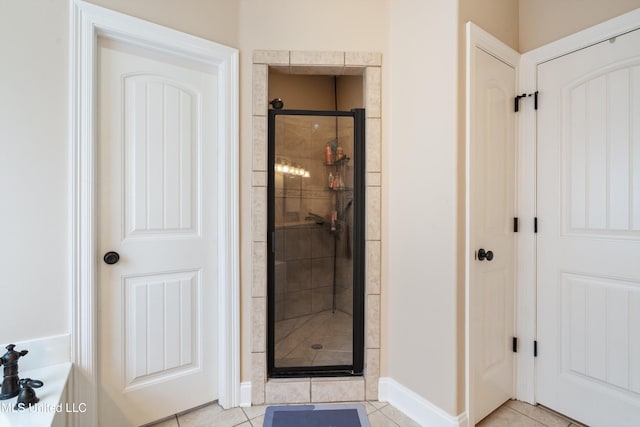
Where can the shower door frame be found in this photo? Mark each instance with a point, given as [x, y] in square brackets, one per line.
[359, 191]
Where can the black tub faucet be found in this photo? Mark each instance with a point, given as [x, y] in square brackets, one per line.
[10, 387]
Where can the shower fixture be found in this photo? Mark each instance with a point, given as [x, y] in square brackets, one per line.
[316, 232]
[314, 217]
[276, 103]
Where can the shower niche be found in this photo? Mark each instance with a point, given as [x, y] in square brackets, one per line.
[316, 243]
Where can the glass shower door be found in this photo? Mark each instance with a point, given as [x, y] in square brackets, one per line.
[316, 201]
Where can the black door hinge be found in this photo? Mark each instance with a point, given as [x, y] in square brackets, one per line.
[515, 224]
[535, 224]
[514, 344]
[516, 106]
[516, 100]
[535, 349]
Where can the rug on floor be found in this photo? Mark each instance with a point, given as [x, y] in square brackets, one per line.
[334, 415]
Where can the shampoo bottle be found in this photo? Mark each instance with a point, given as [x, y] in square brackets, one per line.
[328, 154]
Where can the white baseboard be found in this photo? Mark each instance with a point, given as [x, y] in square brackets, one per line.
[417, 407]
[245, 393]
[43, 352]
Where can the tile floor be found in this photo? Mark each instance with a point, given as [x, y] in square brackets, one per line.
[515, 413]
[295, 337]
[381, 414]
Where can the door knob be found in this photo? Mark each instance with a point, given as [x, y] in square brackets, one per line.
[111, 257]
[482, 255]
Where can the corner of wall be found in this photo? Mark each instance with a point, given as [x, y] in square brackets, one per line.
[417, 407]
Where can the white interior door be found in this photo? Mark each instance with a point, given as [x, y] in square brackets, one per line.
[491, 159]
[588, 364]
[157, 203]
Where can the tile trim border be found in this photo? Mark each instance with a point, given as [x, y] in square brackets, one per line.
[369, 64]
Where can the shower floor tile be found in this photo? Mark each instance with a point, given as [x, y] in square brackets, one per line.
[323, 338]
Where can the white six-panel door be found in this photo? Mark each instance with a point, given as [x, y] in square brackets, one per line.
[491, 160]
[588, 364]
[157, 205]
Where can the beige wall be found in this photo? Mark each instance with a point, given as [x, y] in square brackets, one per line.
[418, 299]
[215, 20]
[419, 202]
[357, 25]
[543, 21]
[498, 17]
[420, 40]
[316, 92]
[34, 176]
[350, 92]
[302, 92]
[34, 149]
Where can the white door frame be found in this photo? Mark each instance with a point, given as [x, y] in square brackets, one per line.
[526, 307]
[477, 38]
[88, 22]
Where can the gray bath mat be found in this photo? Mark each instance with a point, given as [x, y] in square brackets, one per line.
[336, 415]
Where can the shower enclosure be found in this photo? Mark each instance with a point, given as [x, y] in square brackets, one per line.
[316, 241]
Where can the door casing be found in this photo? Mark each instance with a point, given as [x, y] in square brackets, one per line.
[89, 22]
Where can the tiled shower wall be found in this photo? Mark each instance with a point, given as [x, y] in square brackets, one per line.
[305, 250]
[304, 272]
[301, 390]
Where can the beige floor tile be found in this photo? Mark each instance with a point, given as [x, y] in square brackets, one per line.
[324, 358]
[303, 350]
[369, 408]
[381, 414]
[212, 416]
[378, 419]
[398, 417]
[378, 404]
[257, 421]
[284, 327]
[539, 414]
[171, 422]
[254, 410]
[572, 422]
[507, 417]
[338, 342]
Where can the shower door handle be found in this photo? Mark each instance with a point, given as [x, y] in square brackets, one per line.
[482, 255]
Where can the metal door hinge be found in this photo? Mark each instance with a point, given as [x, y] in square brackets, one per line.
[535, 349]
[535, 224]
[515, 224]
[516, 106]
[516, 100]
[514, 344]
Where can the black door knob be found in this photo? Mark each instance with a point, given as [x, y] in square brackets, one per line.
[482, 255]
[111, 257]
